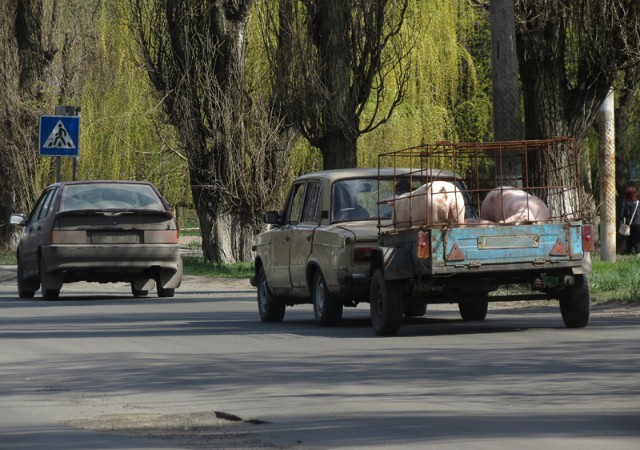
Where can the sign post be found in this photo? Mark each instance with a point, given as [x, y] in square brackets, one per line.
[60, 135]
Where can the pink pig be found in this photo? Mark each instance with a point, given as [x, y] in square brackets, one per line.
[434, 203]
[507, 204]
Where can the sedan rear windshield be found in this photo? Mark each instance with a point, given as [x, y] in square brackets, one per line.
[110, 196]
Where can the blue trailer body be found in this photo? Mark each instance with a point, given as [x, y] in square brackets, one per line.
[484, 249]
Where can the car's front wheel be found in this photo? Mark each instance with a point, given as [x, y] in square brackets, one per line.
[269, 308]
[26, 288]
[327, 308]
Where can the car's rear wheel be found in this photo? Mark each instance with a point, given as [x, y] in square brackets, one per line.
[26, 288]
[269, 308]
[575, 303]
[386, 302]
[49, 292]
[327, 308]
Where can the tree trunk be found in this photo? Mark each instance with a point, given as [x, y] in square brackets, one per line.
[506, 89]
[338, 138]
[504, 72]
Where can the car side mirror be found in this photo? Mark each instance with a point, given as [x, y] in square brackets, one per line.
[272, 218]
[18, 219]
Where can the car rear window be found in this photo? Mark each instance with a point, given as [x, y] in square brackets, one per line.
[110, 196]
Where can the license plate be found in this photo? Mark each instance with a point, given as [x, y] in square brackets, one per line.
[494, 242]
[110, 237]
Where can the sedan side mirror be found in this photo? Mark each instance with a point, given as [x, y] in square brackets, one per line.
[18, 219]
[273, 218]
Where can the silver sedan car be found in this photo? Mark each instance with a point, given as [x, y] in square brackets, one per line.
[98, 231]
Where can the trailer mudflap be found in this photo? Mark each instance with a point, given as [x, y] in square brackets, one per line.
[397, 263]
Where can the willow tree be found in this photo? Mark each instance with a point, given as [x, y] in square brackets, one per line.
[447, 94]
[26, 54]
[194, 52]
[330, 59]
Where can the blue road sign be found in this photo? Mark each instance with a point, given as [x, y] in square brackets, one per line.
[59, 135]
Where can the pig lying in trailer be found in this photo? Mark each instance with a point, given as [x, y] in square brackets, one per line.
[506, 204]
[433, 203]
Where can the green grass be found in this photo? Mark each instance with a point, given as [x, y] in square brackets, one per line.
[615, 281]
[7, 257]
[194, 265]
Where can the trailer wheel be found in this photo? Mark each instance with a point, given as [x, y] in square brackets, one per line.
[474, 310]
[575, 303]
[327, 308]
[386, 301]
[269, 309]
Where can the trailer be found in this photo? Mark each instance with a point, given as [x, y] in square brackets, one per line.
[473, 261]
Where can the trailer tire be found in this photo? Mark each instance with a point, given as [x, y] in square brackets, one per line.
[387, 305]
[474, 310]
[575, 303]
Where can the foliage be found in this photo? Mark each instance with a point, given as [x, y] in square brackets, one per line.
[124, 131]
[448, 95]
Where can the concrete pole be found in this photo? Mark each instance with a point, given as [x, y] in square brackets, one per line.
[608, 227]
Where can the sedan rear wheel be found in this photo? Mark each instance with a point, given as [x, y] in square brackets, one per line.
[26, 288]
[327, 308]
[269, 308]
[48, 291]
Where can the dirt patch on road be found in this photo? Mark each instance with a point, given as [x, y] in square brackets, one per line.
[215, 429]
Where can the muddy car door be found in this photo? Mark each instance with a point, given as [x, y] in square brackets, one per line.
[280, 279]
[302, 237]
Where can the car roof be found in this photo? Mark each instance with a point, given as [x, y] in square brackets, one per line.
[89, 182]
[387, 172]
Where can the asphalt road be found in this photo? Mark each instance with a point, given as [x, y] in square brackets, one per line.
[99, 369]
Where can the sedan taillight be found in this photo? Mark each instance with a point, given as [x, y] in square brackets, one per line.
[69, 237]
[161, 237]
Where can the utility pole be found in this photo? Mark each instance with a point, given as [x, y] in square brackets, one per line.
[608, 179]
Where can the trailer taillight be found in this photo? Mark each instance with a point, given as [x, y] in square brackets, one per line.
[588, 245]
[423, 249]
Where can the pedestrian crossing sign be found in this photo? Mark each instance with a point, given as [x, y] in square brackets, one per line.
[59, 135]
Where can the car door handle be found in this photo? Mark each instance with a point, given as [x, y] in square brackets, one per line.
[287, 239]
[308, 237]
